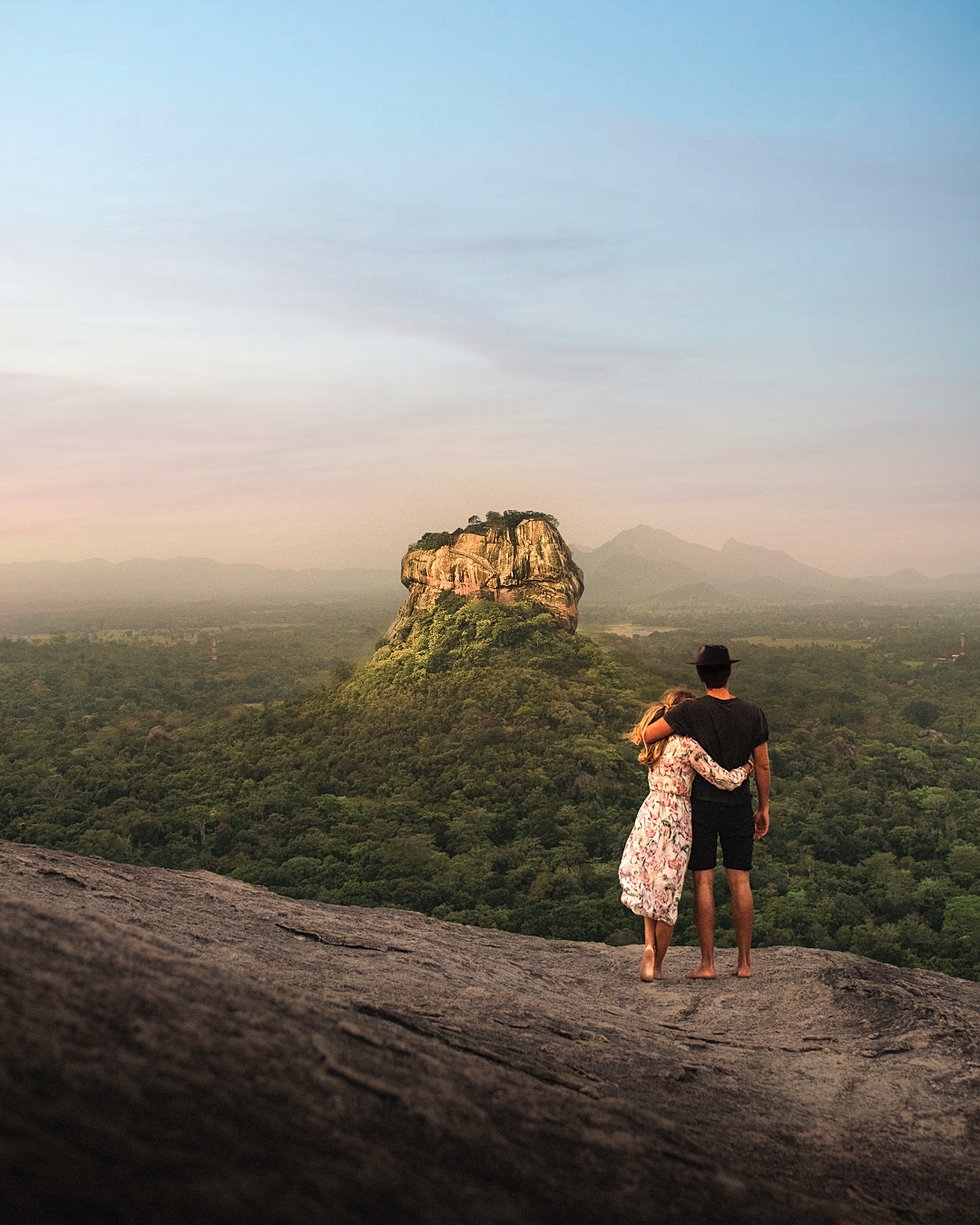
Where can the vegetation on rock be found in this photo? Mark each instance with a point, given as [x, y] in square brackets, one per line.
[476, 526]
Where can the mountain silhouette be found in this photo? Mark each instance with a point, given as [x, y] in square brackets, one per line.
[641, 565]
[649, 565]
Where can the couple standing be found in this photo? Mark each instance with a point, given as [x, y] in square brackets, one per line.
[699, 753]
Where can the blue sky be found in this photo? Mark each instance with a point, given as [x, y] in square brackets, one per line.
[295, 282]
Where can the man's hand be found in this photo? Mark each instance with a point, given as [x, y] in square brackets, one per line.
[763, 777]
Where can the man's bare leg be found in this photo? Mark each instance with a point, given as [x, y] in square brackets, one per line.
[704, 918]
[743, 918]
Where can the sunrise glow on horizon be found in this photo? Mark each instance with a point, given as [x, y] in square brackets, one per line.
[295, 283]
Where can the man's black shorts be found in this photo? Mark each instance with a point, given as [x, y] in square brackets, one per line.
[734, 824]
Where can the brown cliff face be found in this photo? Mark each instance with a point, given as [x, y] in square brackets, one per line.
[500, 560]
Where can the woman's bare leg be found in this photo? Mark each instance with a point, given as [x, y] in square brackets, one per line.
[662, 933]
[656, 938]
[649, 949]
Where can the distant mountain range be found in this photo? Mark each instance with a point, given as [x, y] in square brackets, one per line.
[643, 566]
[646, 565]
[183, 579]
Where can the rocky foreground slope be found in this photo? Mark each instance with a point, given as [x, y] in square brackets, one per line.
[181, 1047]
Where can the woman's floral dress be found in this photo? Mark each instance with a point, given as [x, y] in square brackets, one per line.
[656, 852]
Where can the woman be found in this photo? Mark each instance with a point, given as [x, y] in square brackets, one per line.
[656, 852]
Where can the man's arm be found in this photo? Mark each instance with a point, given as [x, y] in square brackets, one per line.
[763, 777]
[657, 731]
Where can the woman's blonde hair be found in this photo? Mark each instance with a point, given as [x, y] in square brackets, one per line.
[650, 753]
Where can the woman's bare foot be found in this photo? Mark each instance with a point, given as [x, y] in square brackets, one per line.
[647, 972]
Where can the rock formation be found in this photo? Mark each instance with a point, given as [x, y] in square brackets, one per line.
[179, 1046]
[509, 558]
[155, 735]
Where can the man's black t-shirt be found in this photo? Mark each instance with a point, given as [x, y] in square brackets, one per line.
[728, 730]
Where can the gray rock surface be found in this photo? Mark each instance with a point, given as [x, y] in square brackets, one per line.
[181, 1047]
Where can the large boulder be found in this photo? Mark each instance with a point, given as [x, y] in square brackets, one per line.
[506, 558]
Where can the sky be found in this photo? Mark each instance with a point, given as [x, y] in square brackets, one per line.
[296, 282]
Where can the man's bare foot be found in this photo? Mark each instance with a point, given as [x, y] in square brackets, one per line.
[646, 965]
[701, 972]
[742, 972]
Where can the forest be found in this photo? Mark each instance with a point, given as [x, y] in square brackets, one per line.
[475, 768]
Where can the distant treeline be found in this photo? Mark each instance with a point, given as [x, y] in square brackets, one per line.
[476, 771]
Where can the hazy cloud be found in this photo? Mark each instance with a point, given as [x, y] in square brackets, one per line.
[271, 285]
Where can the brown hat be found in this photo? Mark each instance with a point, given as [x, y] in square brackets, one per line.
[712, 656]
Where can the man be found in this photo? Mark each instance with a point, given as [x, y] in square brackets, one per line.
[731, 731]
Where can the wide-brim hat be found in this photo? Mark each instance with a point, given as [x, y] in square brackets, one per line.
[712, 656]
